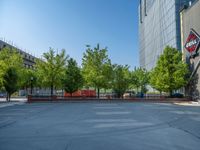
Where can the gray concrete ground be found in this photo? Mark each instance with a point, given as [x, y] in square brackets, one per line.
[99, 126]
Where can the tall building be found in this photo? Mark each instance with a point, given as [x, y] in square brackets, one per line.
[190, 41]
[159, 26]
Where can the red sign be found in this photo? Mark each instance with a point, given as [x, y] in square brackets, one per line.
[192, 42]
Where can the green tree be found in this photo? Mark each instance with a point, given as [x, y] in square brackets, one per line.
[134, 79]
[29, 78]
[2, 72]
[170, 72]
[73, 79]
[97, 68]
[51, 69]
[11, 78]
[140, 79]
[11, 66]
[157, 82]
[121, 79]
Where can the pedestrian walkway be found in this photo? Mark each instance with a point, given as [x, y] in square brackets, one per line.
[189, 104]
[13, 101]
[6, 104]
[99, 125]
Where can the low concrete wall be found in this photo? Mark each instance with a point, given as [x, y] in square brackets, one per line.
[136, 99]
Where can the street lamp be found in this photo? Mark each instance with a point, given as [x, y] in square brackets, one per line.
[31, 85]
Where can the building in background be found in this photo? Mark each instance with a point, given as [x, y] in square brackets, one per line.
[159, 26]
[29, 62]
[190, 42]
[28, 59]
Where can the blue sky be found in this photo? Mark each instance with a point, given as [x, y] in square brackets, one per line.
[36, 25]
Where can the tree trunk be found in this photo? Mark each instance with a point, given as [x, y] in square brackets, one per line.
[52, 90]
[7, 97]
[170, 93]
[98, 91]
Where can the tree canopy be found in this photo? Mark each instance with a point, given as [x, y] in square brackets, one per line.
[121, 79]
[29, 78]
[170, 72]
[11, 68]
[10, 81]
[97, 68]
[51, 69]
[139, 79]
[72, 79]
[55, 70]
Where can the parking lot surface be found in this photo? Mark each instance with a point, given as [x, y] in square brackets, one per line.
[99, 126]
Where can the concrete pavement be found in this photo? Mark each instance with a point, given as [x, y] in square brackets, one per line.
[99, 126]
[14, 99]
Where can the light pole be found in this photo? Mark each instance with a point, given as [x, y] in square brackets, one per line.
[31, 85]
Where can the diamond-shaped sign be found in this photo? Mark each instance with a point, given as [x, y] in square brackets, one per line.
[192, 42]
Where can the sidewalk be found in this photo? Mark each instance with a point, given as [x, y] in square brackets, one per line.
[13, 101]
[192, 103]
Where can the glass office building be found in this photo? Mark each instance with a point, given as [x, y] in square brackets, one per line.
[159, 26]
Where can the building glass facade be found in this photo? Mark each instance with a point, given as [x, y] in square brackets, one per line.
[159, 26]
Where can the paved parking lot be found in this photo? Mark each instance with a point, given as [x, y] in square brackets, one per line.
[99, 126]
